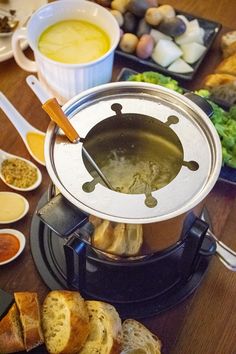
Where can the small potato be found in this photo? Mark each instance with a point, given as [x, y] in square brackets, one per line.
[120, 5]
[167, 11]
[153, 16]
[145, 46]
[128, 43]
[143, 28]
[152, 3]
[118, 16]
[130, 22]
[138, 7]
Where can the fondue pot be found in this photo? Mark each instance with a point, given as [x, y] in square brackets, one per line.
[162, 156]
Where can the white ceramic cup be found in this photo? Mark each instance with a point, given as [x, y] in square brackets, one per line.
[61, 80]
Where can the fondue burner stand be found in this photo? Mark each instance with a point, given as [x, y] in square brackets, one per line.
[137, 288]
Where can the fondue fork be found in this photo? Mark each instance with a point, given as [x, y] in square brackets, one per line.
[55, 112]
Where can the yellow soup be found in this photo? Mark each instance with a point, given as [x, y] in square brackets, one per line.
[36, 144]
[73, 42]
[12, 207]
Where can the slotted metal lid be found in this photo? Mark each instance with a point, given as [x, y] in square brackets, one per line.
[199, 140]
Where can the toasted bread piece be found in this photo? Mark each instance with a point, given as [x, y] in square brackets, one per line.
[215, 80]
[227, 66]
[65, 322]
[106, 331]
[228, 43]
[29, 308]
[103, 235]
[137, 339]
[11, 336]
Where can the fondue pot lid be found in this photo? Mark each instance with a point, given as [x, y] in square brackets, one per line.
[198, 139]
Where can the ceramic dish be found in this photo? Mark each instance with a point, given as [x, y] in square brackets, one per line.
[21, 239]
[24, 9]
[211, 29]
[8, 201]
[227, 174]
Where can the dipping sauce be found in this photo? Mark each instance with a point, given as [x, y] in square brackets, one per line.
[36, 144]
[9, 246]
[73, 42]
[19, 173]
[12, 207]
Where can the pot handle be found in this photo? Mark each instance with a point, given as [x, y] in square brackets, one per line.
[61, 216]
[226, 255]
[201, 102]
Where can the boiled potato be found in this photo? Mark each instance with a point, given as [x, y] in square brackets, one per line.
[145, 46]
[172, 26]
[180, 66]
[143, 28]
[118, 16]
[165, 52]
[120, 5]
[130, 22]
[192, 51]
[138, 7]
[128, 42]
[153, 16]
[167, 11]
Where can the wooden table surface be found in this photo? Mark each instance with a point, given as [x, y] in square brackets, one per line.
[205, 323]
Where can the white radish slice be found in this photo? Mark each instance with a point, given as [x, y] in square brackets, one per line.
[165, 52]
[190, 35]
[192, 52]
[183, 18]
[157, 35]
[180, 66]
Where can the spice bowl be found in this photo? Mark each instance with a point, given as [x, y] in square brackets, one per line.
[19, 173]
[12, 244]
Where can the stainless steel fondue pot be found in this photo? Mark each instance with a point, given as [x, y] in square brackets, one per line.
[151, 127]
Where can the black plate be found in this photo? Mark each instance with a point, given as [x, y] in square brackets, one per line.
[227, 174]
[211, 29]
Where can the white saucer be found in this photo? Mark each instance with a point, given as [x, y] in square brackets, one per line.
[24, 9]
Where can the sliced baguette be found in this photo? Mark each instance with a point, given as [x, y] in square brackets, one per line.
[11, 337]
[137, 339]
[29, 308]
[227, 66]
[105, 334]
[65, 322]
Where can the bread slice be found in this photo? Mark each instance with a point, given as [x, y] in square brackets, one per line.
[29, 308]
[105, 334]
[137, 339]
[65, 321]
[228, 43]
[227, 66]
[11, 337]
[215, 80]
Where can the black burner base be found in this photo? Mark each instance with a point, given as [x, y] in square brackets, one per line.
[144, 289]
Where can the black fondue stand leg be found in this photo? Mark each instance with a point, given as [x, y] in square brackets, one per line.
[192, 246]
[74, 250]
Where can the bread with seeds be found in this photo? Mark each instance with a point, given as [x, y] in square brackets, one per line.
[106, 331]
[65, 322]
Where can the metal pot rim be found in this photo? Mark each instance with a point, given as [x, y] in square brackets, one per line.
[203, 190]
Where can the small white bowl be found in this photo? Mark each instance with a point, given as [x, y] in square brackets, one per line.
[24, 212]
[21, 239]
